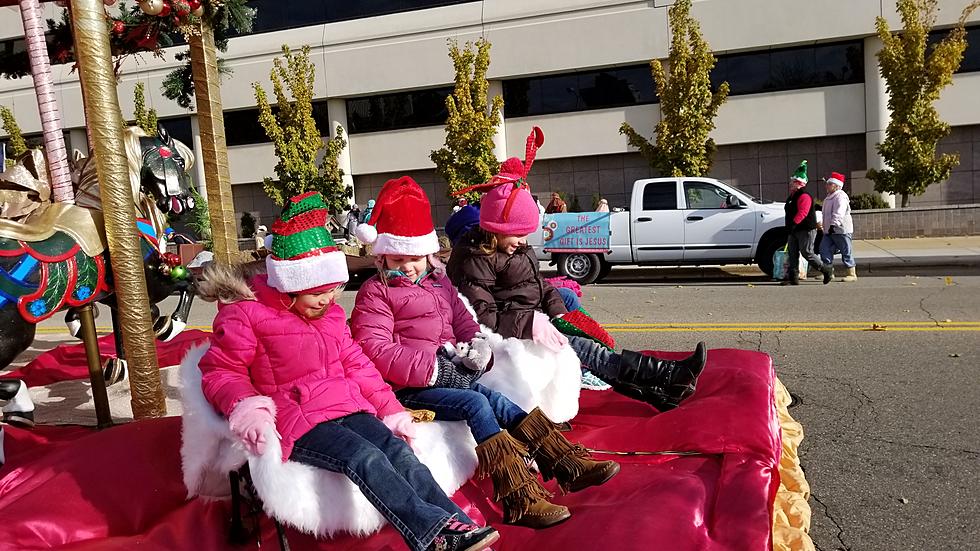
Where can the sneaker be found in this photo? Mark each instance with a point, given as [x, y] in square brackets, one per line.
[591, 382]
[459, 536]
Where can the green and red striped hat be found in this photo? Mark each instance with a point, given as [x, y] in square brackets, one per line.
[304, 257]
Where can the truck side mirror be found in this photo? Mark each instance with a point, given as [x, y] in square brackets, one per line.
[733, 202]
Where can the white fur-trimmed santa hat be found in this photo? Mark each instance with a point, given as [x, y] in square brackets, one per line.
[401, 222]
[303, 255]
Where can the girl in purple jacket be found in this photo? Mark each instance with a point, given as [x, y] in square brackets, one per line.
[412, 324]
[282, 362]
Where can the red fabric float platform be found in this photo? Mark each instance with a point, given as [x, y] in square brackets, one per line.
[121, 488]
[67, 361]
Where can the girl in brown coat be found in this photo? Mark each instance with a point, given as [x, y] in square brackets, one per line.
[497, 271]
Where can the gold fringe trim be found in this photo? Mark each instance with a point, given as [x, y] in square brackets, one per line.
[791, 510]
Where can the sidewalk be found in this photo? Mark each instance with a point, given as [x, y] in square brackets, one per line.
[923, 251]
[871, 254]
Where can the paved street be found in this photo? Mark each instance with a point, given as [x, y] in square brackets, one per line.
[887, 369]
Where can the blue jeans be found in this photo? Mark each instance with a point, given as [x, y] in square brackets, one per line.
[568, 296]
[485, 411]
[386, 470]
[597, 358]
[833, 242]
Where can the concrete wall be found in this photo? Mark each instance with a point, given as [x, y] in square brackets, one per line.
[917, 222]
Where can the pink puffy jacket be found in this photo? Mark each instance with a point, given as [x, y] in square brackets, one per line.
[401, 325]
[312, 369]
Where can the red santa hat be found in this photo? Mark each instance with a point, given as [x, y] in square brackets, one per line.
[401, 222]
[837, 179]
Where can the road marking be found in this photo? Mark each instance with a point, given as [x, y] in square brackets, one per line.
[872, 326]
[769, 326]
[106, 330]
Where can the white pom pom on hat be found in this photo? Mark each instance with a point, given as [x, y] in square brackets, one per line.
[366, 233]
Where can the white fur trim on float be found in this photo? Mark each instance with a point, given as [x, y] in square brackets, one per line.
[835, 181]
[366, 233]
[293, 276]
[421, 245]
[312, 500]
[531, 375]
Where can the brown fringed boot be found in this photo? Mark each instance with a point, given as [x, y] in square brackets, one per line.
[525, 501]
[558, 458]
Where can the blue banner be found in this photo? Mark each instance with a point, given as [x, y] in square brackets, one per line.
[574, 231]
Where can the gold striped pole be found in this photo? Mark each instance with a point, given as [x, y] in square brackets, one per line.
[217, 178]
[104, 118]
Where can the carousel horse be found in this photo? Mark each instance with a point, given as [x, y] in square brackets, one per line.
[53, 256]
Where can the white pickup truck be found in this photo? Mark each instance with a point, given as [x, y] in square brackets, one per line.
[670, 222]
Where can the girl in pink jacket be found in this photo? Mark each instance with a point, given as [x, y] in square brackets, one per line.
[282, 357]
[412, 323]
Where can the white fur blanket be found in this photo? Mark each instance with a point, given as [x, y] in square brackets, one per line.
[323, 503]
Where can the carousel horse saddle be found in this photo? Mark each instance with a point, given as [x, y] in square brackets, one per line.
[82, 224]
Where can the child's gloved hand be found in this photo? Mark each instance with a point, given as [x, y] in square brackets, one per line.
[544, 333]
[479, 356]
[250, 420]
[449, 374]
[400, 424]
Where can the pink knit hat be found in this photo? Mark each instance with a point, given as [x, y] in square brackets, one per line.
[508, 208]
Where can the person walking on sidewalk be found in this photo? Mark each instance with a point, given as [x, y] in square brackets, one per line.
[838, 226]
[801, 222]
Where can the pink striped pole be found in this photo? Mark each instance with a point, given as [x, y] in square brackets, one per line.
[47, 105]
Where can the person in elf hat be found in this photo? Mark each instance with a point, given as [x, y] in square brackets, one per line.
[411, 322]
[497, 271]
[837, 226]
[282, 358]
[801, 223]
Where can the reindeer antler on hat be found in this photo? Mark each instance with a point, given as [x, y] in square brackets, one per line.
[507, 206]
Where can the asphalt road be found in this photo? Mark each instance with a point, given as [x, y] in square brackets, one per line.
[892, 445]
[887, 369]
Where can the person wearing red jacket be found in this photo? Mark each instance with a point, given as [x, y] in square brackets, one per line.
[282, 365]
[801, 226]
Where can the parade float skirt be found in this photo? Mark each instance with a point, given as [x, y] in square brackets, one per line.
[719, 472]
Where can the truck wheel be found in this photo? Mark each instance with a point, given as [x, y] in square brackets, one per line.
[763, 255]
[604, 269]
[580, 267]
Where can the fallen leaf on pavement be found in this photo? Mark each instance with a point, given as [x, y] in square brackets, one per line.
[877, 327]
[954, 355]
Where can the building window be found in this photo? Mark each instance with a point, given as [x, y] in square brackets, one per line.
[791, 68]
[401, 110]
[179, 128]
[275, 15]
[243, 127]
[613, 87]
[971, 56]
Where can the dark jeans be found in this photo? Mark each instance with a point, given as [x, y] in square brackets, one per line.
[596, 358]
[387, 472]
[485, 411]
[801, 242]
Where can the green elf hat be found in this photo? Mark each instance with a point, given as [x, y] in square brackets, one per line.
[800, 174]
[303, 255]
